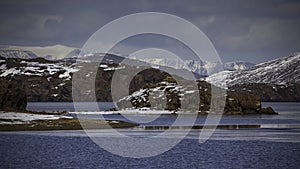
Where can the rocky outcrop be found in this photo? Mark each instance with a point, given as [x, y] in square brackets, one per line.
[242, 103]
[12, 96]
[267, 110]
[164, 93]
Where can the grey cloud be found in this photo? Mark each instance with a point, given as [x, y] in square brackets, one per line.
[241, 30]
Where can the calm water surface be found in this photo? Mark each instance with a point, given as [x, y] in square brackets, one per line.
[246, 148]
[65, 106]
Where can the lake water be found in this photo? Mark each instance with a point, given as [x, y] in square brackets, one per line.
[275, 146]
[65, 106]
[289, 113]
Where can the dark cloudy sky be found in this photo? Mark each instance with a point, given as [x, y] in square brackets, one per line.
[252, 30]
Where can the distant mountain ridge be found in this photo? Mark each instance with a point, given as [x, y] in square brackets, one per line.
[58, 52]
[204, 68]
[54, 52]
[23, 54]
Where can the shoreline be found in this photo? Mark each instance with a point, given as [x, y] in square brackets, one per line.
[125, 125]
[61, 124]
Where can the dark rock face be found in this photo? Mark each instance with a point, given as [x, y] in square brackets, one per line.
[242, 102]
[271, 92]
[12, 96]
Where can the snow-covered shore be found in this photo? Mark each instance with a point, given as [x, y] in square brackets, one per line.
[23, 118]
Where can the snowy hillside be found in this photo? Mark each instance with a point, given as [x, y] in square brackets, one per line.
[279, 71]
[46, 80]
[34, 68]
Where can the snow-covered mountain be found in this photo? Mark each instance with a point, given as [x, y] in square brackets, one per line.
[58, 52]
[279, 71]
[196, 66]
[200, 67]
[191, 65]
[23, 54]
[238, 65]
[54, 52]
